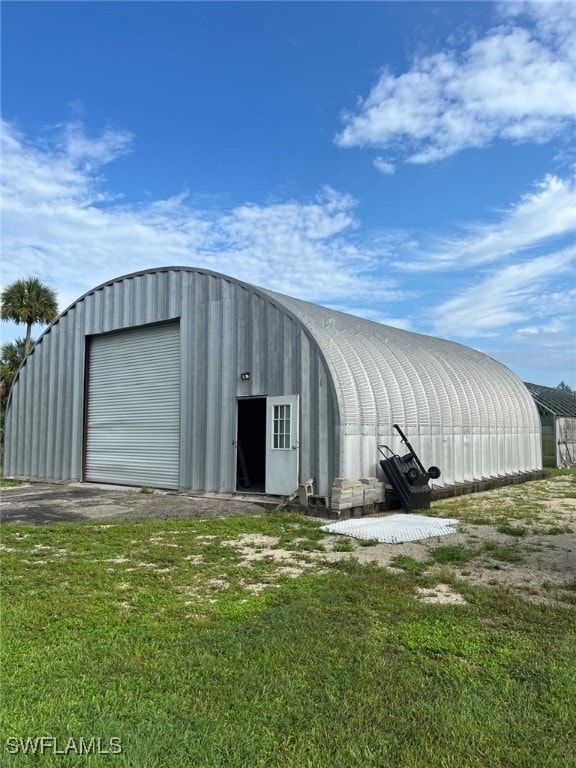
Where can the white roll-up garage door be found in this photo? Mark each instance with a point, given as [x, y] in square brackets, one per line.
[133, 424]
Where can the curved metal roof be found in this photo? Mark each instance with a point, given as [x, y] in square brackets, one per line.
[384, 375]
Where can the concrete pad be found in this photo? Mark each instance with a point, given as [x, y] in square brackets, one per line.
[46, 503]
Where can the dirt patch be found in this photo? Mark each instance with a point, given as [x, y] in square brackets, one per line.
[441, 594]
[253, 547]
[545, 570]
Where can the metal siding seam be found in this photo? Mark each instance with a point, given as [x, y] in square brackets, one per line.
[226, 464]
[51, 385]
[274, 346]
[117, 305]
[186, 380]
[175, 293]
[259, 347]
[38, 451]
[288, 364]
[44, 391]
[214, 387]
[308, 422]
[57, 400]
[461, 404]
[30, 422]
[29, 418]
[324, 440]
[19, 434]
[9, 442]
[200, 386]
[244, 342]
[77, 409]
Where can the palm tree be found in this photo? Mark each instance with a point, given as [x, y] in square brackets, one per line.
[11, 356]
[28, 302]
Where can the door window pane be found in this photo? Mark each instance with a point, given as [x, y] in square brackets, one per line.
[281, 437]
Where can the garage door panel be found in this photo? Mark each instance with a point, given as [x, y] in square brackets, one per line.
[133, 422]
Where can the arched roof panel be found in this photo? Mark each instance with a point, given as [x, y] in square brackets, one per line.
[399, 375]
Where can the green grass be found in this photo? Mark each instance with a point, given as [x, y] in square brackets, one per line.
[512, 530]
[408, 564]
[459, 554]
[9, 483]
[344, 545]
[557, 530]
[502, 553]
[455, 554]
[152, 632]
[513, 507]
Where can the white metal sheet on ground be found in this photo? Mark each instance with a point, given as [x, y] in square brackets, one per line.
[394, 529]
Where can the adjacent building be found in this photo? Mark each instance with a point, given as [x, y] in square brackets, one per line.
[557, 409]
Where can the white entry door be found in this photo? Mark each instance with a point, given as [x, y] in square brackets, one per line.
[282, 447]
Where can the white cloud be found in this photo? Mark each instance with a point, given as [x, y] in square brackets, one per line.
[517, 83]
[543, 358]
[56, 226]
[61, 224]
[384, 167]
[90, 153]
[508, 297]
[545, 213]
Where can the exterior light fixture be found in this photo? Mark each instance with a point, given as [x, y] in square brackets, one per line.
[245, 376]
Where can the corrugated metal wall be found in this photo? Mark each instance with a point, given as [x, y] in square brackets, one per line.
[460, 409]
[226, 327]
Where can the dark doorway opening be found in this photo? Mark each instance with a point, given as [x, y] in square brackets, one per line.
[251, 445]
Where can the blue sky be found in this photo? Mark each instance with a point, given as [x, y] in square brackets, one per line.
[413, 163]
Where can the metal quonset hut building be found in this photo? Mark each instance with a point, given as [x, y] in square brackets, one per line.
[184, 378]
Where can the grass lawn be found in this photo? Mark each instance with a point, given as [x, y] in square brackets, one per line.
[195, 647]
[7, 483]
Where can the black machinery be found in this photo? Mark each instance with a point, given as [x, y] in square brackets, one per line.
[407, 476]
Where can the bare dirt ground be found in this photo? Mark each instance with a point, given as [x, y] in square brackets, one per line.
[541, 567]
[540, 564]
